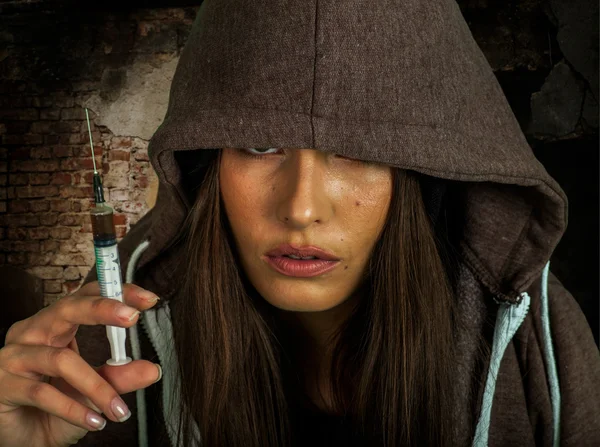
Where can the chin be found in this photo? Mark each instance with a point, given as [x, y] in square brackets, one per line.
[300, 298]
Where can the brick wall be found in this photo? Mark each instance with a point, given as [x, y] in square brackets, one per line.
[47, 189]
[55, 63]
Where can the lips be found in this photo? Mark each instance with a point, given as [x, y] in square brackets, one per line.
[302, 252]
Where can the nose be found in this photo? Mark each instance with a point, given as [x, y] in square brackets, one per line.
[303, 198]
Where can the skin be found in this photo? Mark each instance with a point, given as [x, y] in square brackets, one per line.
[305, 197]
[49, 395]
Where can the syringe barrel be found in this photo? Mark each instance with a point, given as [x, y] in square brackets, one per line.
[103, 226]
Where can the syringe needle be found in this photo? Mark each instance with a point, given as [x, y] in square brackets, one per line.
[87, 117]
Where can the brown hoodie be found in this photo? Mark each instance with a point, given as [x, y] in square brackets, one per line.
[402, 83]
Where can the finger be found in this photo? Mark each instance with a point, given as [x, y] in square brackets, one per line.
[19, 391]
[138, 297]
[57, 324]
[131, 377]
[64, 363]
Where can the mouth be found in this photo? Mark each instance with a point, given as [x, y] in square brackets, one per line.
[302, 262]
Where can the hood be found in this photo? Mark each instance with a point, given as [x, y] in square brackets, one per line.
[401, 83]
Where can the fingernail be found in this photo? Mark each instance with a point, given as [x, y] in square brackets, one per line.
[148, 296]
[95, 421]
[159, 372]
[128, 313]
[120, 410]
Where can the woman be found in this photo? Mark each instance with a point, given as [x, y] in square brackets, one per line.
[427, 315]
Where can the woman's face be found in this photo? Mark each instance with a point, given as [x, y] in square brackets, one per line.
[279, 200]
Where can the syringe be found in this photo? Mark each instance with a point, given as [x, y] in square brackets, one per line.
[108, 266]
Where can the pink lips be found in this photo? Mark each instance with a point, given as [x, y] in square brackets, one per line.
[280, 261]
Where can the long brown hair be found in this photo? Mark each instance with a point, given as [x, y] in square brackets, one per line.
[392, 360]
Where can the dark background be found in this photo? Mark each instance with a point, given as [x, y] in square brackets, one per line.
[54, 54]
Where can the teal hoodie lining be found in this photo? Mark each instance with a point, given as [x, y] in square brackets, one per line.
[158, 326]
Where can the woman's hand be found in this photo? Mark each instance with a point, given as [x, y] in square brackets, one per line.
[48, 393]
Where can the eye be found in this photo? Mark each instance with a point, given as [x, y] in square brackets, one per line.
[354, 160]
[259, 152]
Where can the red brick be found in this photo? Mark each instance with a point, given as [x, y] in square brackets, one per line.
[19, 153]
[10, 192]
[119, 155]
[61, 178]
[18, 179]
[3, 153]
[70, 220]
[3, 179]
[86, 227]
[85, 151]
[141, 182]
[39, 259]
[78, 164]
[60, 205]
[60, 233]
[16, 234]
[50, 114]
[38, 206]
[78, 192]
[39, 179]
[3, 166]
[86, 178]
[120, 219]
[62, 151]
[25, 139]
[18, 206]
[48, 219]
[41, 152]
[22, 220]
[120, 142]
[38, 233]
[2, 207]
[47, 272]
[16, 258]
[25, 192]
[83, 205]
[38, 165]
[120, 231]
[2, 232]
[3, 191]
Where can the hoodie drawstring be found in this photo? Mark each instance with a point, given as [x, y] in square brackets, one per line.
[550, 359]
[140, 395]
[508, 320]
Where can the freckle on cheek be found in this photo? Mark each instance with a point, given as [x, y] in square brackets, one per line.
[346, 267]
[357, 203]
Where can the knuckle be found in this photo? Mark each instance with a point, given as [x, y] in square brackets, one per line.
[60, 356]
[37, 391]
[98, 304]
[13, 331]
[71, 410]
